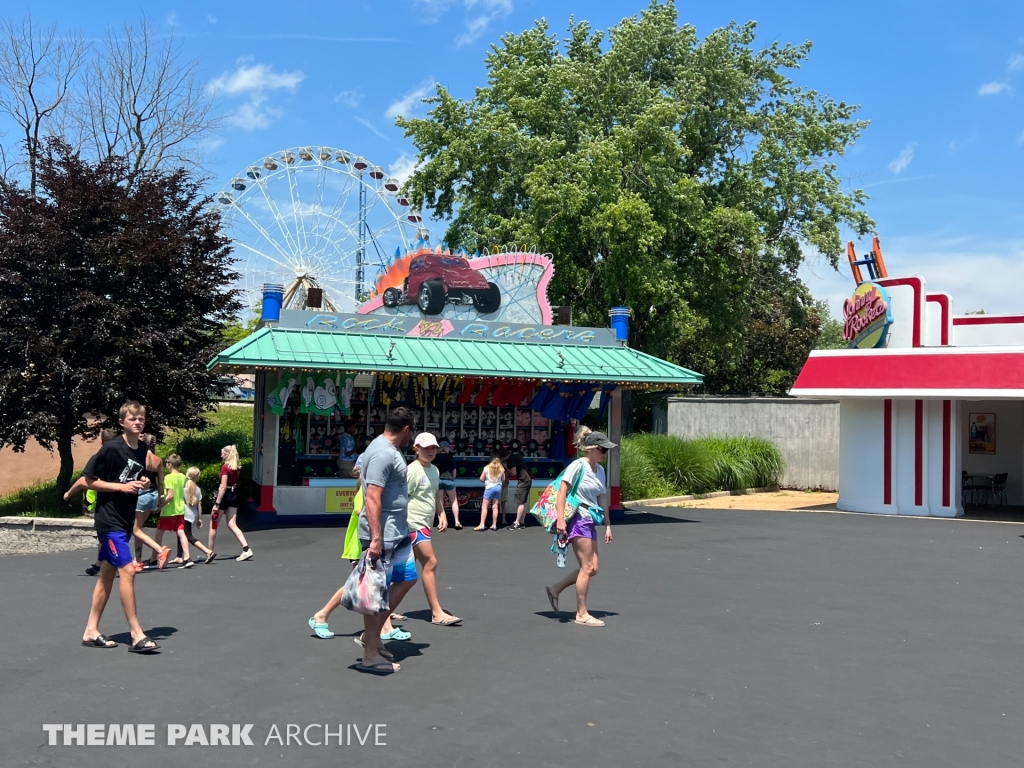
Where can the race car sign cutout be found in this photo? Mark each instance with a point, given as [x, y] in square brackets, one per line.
[439, 286]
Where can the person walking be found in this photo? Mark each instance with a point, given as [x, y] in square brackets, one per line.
[493, 478]
[445, 463]
[384, 531]
[194, 515]
[226, 503]
[172, 510]
[424, 504]
[115, 473]
[580, 530]
[148, 503]
[524, 483]
[89, 500]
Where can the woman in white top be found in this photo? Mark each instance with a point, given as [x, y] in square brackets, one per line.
[580, 530]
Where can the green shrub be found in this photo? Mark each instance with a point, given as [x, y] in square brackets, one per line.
[228, 425]
[40, 500]
[640, 478]
[674, 466]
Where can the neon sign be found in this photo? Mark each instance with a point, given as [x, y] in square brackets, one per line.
[867, 317]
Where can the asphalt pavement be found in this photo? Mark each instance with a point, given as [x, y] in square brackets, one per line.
[733, 638]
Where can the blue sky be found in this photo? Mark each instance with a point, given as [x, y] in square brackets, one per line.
[941, 82]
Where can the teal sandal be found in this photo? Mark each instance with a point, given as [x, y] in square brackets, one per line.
[321, 630]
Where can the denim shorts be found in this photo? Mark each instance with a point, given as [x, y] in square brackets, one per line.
[493, 493]
[446, 485]
[147, 502]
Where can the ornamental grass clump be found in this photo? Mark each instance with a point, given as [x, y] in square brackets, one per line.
[675, 466]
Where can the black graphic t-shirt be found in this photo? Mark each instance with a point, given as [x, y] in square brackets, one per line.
[116, 462]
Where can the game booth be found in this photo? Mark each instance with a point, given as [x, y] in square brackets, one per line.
[467, 342]
[931, 403]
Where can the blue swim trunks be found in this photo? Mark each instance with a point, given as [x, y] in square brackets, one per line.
[399, 562]
[114, 549]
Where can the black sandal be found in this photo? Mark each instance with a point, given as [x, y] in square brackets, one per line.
[141, 647]
[100, 641]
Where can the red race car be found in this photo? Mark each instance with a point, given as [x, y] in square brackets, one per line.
[436, 280]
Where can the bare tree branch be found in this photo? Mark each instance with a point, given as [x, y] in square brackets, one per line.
[37, 69]
[140, 100]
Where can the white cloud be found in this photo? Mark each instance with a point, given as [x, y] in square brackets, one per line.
[254, 81]
[257, 78]
[903, 160]
[994, 88]
[1020, 139]
[403, 167]
[478, 15]
[172, 19]
[486, 11]
[349, 98]
[1016, 63]
[371, 126]
[405, 106]
[211, 18]
[953, 146]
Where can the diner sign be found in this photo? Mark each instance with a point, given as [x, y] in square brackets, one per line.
[866, 317]
[420, 327]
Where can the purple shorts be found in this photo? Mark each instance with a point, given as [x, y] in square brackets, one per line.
[580, 527]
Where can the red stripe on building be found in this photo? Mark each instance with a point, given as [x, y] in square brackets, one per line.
[887, 453]
[989, 320]
[946, 439]
[943, 301]
[917, 285]
[866, 371]
[918, 452]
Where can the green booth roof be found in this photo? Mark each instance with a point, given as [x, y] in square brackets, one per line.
[272, 347]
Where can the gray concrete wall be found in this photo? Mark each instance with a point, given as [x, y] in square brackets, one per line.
[806, 431]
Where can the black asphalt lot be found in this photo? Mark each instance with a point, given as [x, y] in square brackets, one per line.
[734, 638]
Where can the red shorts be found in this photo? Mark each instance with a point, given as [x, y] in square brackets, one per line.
[171, 523]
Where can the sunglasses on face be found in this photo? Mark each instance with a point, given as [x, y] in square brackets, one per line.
[601, 448]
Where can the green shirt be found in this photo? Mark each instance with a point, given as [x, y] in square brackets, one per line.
[174, 481]
[422, 483]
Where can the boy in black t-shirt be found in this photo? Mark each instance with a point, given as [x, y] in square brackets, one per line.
[116, 474]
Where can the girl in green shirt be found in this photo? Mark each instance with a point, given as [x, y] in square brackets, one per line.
[423, 483]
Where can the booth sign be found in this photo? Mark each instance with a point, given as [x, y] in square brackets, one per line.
[867, 317]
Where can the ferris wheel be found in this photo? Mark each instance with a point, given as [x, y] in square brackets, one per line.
[315, 219]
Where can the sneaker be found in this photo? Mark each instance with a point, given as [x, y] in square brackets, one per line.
[92, 570]
[161, 559]
[246, 555]
[516, 527]
[187, 564]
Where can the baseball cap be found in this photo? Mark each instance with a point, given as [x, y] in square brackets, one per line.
[425, 440]
[445, 443]
[598, 440]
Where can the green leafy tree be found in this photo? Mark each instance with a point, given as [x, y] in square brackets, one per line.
[831, 334]
[107, 292]
[672, 174]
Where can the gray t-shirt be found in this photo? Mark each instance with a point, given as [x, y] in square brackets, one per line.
[385, 467]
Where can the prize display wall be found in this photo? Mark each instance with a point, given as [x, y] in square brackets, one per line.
[476, 416]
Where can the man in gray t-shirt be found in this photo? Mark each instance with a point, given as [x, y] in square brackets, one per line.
[385, 467]
[383, 531]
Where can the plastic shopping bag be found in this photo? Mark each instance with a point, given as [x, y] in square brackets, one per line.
[366, 589]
